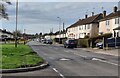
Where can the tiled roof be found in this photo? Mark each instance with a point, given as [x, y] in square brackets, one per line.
[7, 32]
[91, 19]
[111, 15]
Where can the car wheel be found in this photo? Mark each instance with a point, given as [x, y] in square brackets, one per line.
[67, 46]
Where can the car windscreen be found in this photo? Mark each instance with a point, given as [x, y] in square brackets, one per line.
[71, 41]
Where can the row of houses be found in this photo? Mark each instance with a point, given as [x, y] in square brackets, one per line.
[5, 34]
[96, 25]
[92, 26]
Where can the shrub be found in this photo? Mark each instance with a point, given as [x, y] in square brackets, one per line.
[83, 42]
[63, 41]
[86, 36]
[107, 35]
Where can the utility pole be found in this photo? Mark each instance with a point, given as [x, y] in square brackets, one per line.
[59, 27]
[24, 36]
[64, 34]
[16, 23]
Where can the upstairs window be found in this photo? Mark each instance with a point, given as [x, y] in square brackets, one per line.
[88, 26]
[85, 27]
[117, 20]
[107, 22]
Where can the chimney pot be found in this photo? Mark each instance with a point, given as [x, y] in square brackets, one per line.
[115, 9]
[86, 16]
[92, 13]
[104, 13]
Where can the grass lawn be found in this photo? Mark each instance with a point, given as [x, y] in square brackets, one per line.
[19, 57]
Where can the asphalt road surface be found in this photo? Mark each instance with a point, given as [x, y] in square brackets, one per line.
[70, 63]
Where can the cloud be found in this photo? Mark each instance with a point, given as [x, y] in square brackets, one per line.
[66, 0]
[42, 16]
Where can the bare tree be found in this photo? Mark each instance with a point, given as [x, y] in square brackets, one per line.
[19, 34]
[3, 13]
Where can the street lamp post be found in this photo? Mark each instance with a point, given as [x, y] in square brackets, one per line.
[24, 37]
[16, 23]
[59, 27]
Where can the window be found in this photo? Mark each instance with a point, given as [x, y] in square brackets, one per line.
[84, 34]
[107, 22]
[82, 27]
[117, 20]
[85, 27]
[88, 34]
[88, 26]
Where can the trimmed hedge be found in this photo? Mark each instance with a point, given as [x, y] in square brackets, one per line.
[83, 42]
[107, 35]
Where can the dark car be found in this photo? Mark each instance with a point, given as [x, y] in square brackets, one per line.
[49, 41]
[70, 43]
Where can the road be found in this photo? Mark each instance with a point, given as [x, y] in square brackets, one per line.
[72, 63]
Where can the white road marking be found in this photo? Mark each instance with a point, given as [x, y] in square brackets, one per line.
[105, 61]
[55, 70]
[64, 59]
[58, 72]
[98, 60]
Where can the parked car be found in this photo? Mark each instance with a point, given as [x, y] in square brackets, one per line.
[70, 43]
[99, 45]
[43, 41]
[49, 41]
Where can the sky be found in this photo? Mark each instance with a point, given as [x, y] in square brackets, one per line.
[36, 17]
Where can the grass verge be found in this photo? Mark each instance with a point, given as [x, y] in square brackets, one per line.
[19, 57]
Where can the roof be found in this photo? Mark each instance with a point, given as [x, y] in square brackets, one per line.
[91, 19]
[111, 15]
[7, 32]
[118, 28]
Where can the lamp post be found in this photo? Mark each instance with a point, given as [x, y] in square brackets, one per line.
[24, 36]
[59, 27]
[16, 23]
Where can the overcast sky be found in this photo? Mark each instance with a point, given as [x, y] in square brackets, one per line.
[38, 17]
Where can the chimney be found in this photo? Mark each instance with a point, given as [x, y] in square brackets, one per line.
[115, 9]
[92, 13]
[104, 13]
[86, 16]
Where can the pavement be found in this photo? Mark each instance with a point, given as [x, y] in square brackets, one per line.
[113, 52]
[71, 63]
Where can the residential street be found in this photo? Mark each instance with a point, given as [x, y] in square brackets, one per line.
[66, 62]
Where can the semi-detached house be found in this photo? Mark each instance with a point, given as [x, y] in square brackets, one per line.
[4, 33]
[85, 27]
[110, 23]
